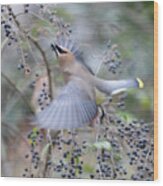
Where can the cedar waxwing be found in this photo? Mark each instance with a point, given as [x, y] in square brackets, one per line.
[75, 106]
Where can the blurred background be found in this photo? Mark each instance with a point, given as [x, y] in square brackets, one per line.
[127, 25]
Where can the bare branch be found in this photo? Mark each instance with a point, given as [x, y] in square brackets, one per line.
[37, 45]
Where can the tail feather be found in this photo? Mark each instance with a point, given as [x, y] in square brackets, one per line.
[116, 86]
[140, 83]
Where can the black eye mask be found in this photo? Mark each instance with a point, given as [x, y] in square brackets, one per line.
[58, 49]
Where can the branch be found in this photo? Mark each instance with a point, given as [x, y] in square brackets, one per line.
[46, 64]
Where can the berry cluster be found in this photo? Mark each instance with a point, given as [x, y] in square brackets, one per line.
[112, 58]
[123, 150]
[44, 97]
[35, 138]
[7, 24]
[134, 140]
[41, 96]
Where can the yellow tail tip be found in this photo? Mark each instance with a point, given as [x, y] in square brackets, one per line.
[140, 83]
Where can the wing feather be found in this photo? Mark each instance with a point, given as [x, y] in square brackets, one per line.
[73, 108]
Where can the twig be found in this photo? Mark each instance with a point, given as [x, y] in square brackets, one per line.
[47, 159]
[49, 154]
[46, 63]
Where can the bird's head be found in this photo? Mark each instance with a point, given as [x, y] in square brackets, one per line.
[61, 52]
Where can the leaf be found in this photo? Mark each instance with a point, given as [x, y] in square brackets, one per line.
[100, 98]
[88, 168]
[35, 130]
[117, 157]
[102, 145]
[125, 116]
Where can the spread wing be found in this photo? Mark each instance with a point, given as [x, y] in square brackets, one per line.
[73, 108]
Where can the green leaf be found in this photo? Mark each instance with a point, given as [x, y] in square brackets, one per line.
[125, 116]
[35, 130]
[117, 157]
[88, 168]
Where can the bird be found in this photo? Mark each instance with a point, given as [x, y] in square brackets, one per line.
[75, 106]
